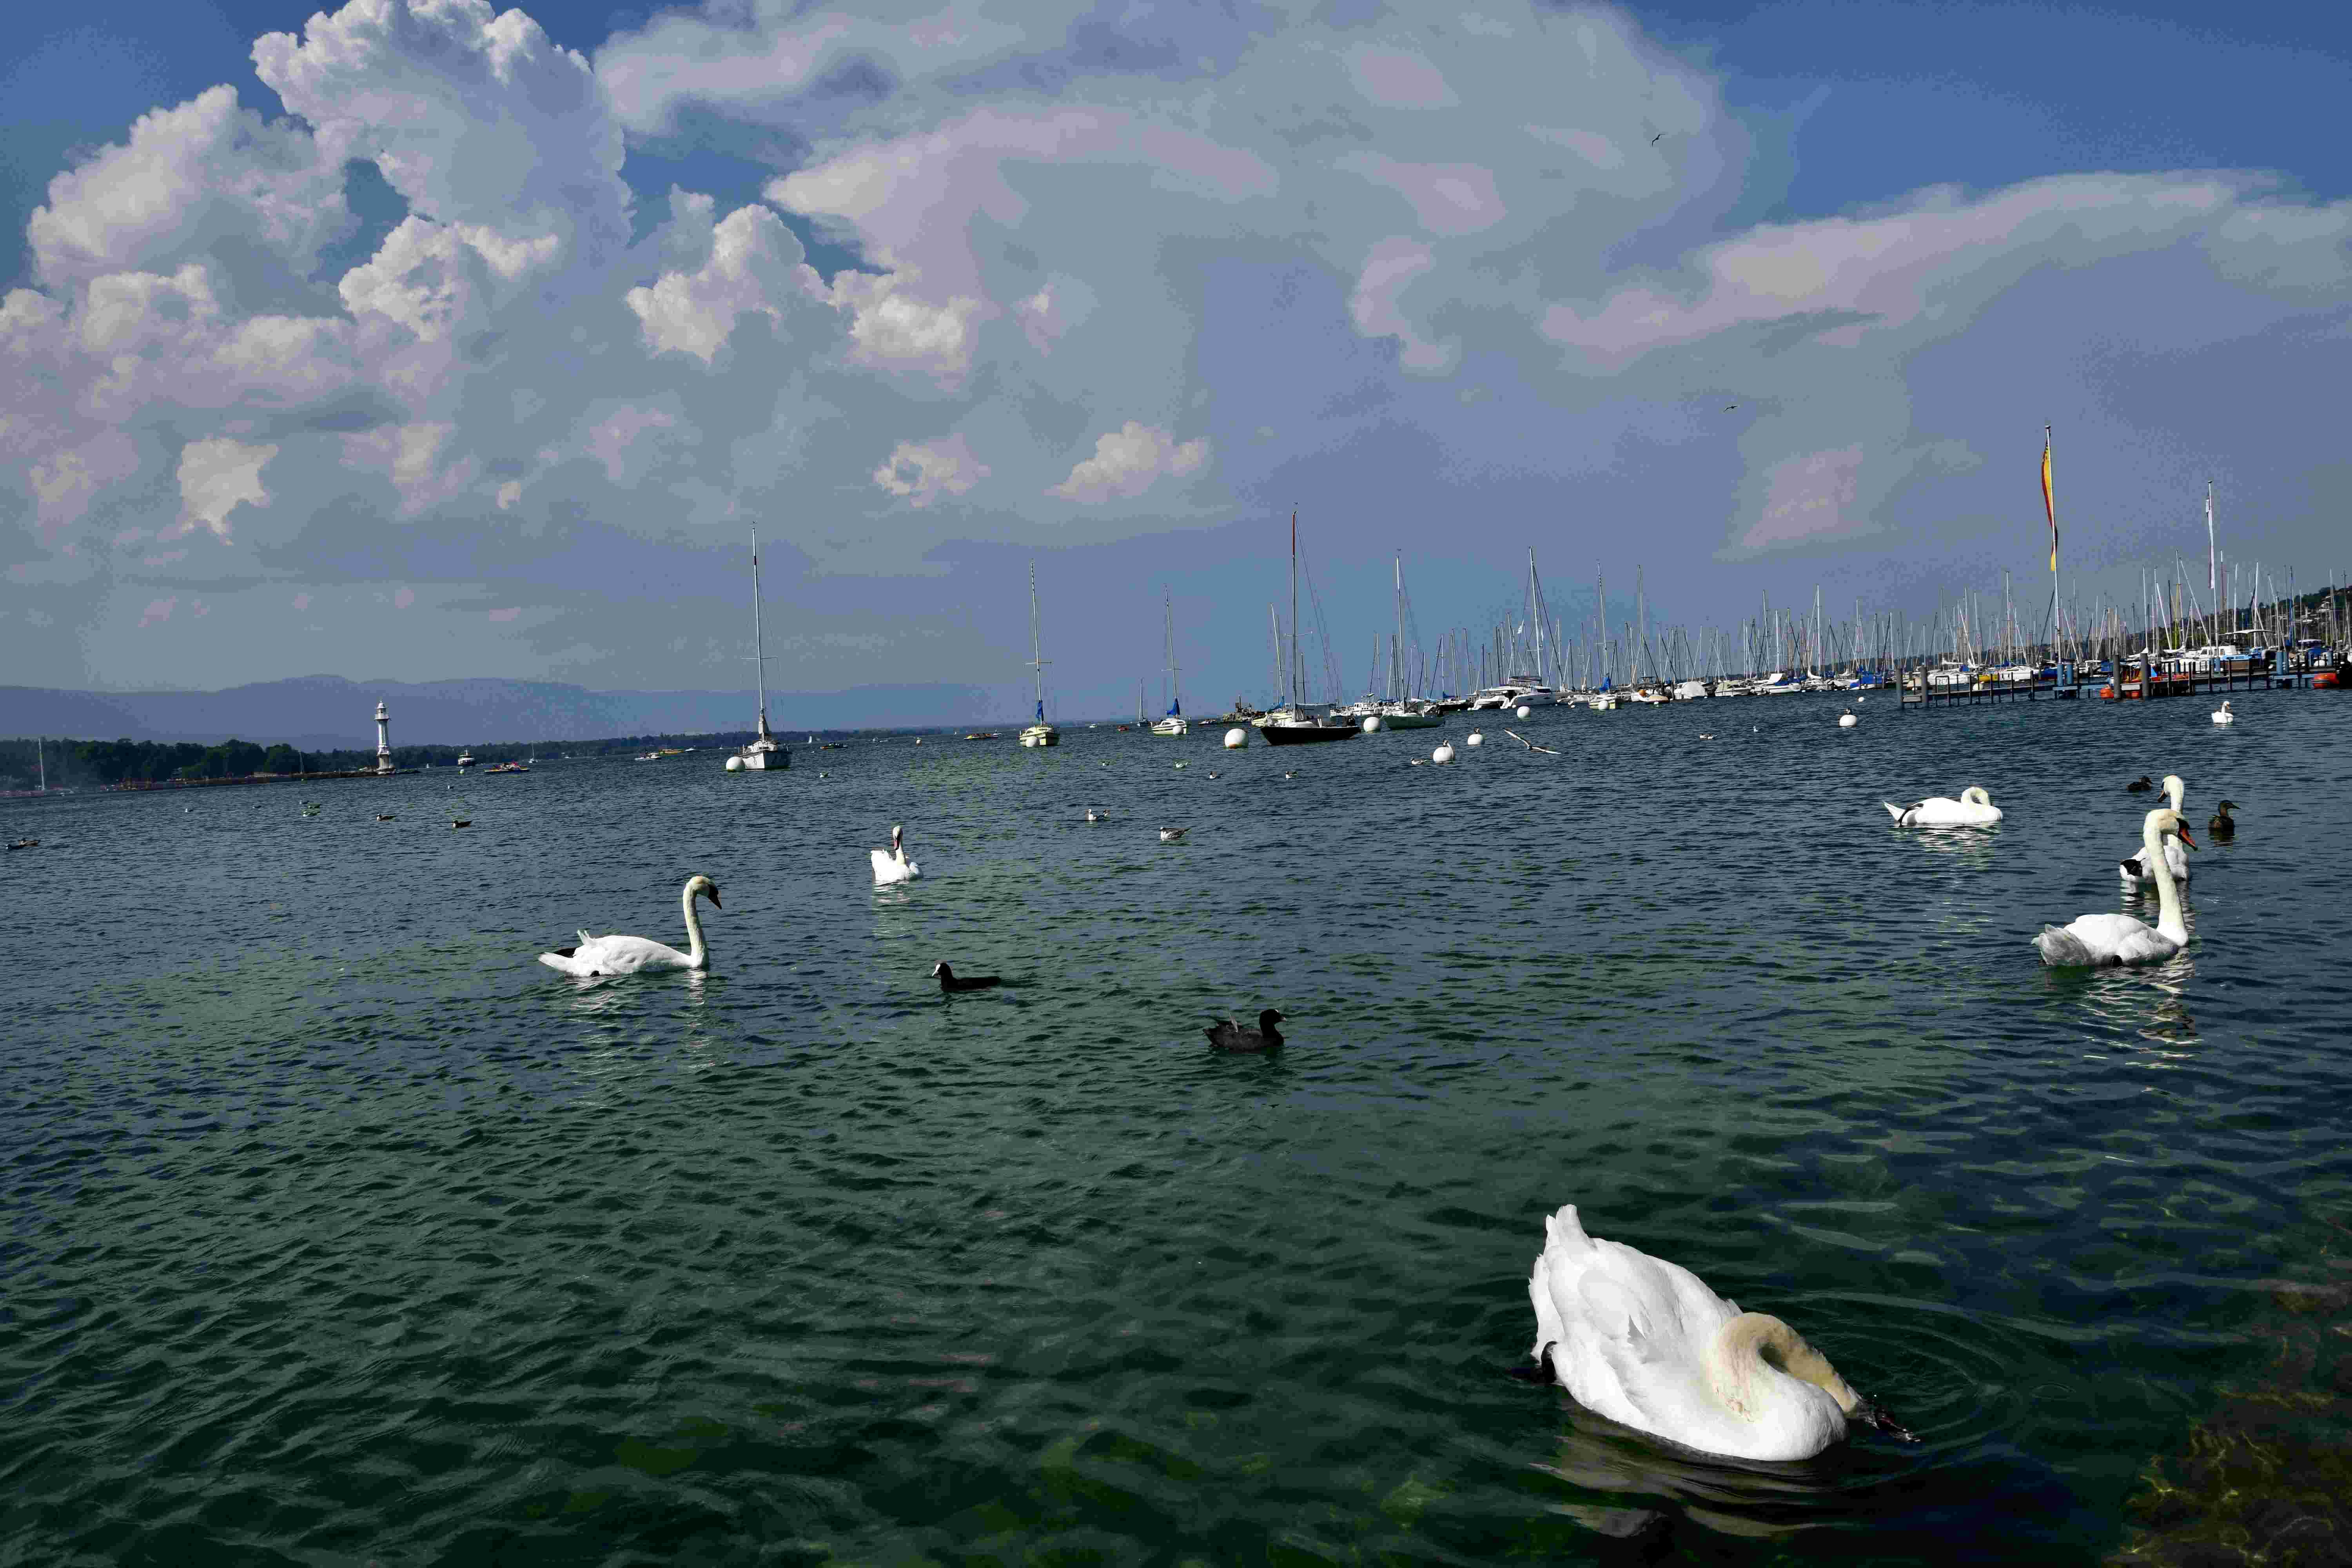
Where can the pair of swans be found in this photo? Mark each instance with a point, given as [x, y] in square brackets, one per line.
[1645, 1342]
[632, 955]
[2133, 868]
[2103, 939]
[1973, 809]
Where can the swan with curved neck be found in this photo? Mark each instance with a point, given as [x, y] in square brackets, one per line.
[2118, 938]
[891, 864]
[631, 955]
[2133, 868]
[1973, 809]
[1645, 1342]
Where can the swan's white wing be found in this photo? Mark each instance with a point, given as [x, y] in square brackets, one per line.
[616, 955]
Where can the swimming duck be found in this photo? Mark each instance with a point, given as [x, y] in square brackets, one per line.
[951, 981]
[2140, 785]
[1093, 816]
[1171, 835]
[2220, 823]
[1230, 1035]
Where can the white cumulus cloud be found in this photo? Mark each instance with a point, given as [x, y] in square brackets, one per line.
[1129, 460]
[920, 472]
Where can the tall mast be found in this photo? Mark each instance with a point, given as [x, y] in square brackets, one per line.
[1290, 669]
[2212, 557]
[1535, 597]
[1036, 653]
[1642, 615]
[1601, 588]
[1175, 696]
[1396, 648]
[759, 643]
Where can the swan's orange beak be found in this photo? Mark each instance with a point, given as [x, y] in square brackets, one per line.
[2183, 835]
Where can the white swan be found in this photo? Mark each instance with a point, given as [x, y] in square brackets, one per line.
[2133, 868]
[891, 864]
[1973, 809]
[2222, 715]
[1645, 1343]
[2119, 939]
[628, 954]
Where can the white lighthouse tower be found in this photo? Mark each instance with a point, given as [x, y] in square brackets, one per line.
[382, 740]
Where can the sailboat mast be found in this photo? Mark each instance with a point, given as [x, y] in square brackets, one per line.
[1642, 617]
[1175, 694]
[1601, 591]
[1396, 648]
[1290, 668]
[759, 640]
[1535, 597]
[1037, 651]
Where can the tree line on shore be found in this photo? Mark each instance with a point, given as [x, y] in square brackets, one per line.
[85, 764]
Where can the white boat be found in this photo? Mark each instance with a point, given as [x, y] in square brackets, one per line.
[1039, 734]
[1291, 724]
[1173, 724]
[464, 759]
[1403, 710]
[1689, 691]
[765, 753]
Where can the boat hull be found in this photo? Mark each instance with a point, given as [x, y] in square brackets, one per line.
[759, 762]
[1041, 735]
[1171, 727]
[1305, 735]
[1410, 720]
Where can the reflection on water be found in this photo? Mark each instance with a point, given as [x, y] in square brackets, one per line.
[1646, 1488]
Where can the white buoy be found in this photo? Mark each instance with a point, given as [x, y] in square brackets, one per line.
[1861, 700]
[1847, 721]
[1236, 738]
[734, 764]
[1371, 723]
[1442, 755]
[1475, 739]
[1524, 710]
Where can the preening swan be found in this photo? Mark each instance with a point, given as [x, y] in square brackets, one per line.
[2222, 715]
[2133, 868]
[1645, 1342]
[2119, 939]
[628, 954]
[1973, 809]
[891, 864]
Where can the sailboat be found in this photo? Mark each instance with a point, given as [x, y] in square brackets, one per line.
[1039, 734]
[765, 753]
[1292, 725]
[1174, 724]
[1402, 711]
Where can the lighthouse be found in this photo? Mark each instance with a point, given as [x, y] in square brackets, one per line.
[382, 740]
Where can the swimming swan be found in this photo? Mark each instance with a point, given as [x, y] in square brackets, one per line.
[2133, 869]
[1973, 809]
[628, 954]
[891, 864]
[2222, 715]
[2119, 939]
[1645, 1342]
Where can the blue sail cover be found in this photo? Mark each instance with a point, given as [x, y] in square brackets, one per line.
[1040, 711]
[1175, 710]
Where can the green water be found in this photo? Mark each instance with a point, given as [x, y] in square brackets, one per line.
[340, 1231]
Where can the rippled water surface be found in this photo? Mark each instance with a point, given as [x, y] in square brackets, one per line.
[340, 1230]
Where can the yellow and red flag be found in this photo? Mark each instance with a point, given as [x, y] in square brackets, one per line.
[2049, 502]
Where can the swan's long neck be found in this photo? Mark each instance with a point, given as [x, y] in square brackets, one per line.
[696, 955]
[2169, 922]
[2174, 790]
[1753, 1341]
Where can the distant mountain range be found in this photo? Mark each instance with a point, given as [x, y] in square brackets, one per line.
[321, 712]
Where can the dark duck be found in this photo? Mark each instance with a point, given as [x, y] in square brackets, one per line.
[951, 981]
[1230, 1035]
[2220, 824]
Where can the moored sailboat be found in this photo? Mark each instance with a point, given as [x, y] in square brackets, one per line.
[1039, 734]
[1291, 724]
[764, 754]
[1174, 724]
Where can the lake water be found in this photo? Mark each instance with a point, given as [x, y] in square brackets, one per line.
[339, 1230]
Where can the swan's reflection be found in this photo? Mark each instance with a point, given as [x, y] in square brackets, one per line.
[1971, 848]
[1729, 1496]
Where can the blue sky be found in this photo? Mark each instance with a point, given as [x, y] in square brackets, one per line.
[455, 344]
